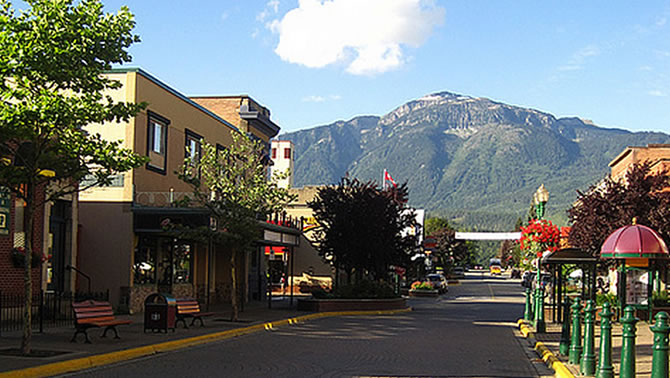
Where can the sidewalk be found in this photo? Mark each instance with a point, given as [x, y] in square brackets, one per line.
[643, 344]
[133, 336]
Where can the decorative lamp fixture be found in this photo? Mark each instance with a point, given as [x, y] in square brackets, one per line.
[634, 242]
[542, 194]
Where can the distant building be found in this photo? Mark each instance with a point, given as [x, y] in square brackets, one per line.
[282, 161]
[657, 154]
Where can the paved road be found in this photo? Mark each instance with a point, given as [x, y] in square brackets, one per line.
[468, 332]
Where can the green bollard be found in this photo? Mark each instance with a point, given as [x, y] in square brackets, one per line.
[576, 340]
[661, 329]
[628, 321]
[605, 368]
[588, 362]
[527, 314]
[564, 345]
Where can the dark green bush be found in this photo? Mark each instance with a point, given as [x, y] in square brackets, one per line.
[359, 290]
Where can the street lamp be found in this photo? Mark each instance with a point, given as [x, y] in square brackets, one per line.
[540, 199]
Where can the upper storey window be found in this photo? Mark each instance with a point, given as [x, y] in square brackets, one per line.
[157, 134]
[287, 153]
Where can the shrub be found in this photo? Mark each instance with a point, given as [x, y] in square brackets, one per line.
[609, 298]
[359, 290]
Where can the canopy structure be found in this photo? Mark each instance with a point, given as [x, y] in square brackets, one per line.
[640, 251]
[570, 256]
[634, 241]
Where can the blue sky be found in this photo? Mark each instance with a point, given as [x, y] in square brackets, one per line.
[313, 62]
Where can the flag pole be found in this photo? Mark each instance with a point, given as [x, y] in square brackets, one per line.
[384, 180]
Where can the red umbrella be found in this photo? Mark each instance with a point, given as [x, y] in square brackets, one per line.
[634, 241]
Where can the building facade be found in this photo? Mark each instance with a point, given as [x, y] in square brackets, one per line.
[281, 152]
[657, 154]
[123, 243]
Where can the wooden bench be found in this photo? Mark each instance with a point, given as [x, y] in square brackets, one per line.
[94, 314]
[190, 308]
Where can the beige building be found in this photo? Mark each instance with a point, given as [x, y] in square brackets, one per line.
[123, 243]
[657, 154]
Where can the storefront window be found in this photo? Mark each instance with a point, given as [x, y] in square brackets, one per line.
[183, 257]
[144, 269]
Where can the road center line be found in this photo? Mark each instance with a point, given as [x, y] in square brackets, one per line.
[491, 290]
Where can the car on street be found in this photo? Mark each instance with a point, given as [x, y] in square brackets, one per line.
[438, 281]
[458, 272]
[495, 270]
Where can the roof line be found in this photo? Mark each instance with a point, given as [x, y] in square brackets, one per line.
[173, 91]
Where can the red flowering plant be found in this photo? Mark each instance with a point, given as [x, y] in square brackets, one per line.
[418, 285]
[538, 236]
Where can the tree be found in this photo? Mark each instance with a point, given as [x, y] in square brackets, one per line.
[232, 184]
[449, 250]
[611, 204]
[53, 55]
[363, 228]
[434, 224]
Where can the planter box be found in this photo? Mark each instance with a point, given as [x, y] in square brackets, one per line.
[329, 305]
[424, 293]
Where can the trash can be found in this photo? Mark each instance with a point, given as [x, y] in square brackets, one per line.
[160, 312]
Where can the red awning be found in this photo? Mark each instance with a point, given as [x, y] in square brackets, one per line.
[634, 241]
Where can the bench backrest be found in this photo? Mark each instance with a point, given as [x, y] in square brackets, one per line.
[187, 306]
[92, 311]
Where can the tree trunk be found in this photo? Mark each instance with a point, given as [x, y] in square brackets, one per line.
[233, 295]
[27, 277]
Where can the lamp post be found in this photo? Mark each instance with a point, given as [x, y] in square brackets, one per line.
[540, 198]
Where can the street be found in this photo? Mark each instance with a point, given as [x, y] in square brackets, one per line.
[467, 332]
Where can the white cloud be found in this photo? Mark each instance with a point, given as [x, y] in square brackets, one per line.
[579, 58]
[366, 35]
[271, 7]
[657, 93]
[315, 98]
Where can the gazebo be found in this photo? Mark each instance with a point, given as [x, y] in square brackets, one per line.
[639, 250]
[556, 260]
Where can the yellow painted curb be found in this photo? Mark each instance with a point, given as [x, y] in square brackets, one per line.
[83, 363]
[547, 356]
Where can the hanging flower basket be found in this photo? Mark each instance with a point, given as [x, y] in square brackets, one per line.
[18, 256]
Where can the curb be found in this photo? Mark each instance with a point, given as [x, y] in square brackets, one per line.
[547, 356]
[97, 360]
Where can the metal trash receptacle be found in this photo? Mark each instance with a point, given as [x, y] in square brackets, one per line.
[160, 312]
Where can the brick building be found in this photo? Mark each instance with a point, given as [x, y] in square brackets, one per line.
[657, 154]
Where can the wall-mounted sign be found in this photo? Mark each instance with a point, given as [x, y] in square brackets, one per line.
[5, 206]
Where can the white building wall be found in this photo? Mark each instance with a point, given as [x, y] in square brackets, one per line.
[282, 154]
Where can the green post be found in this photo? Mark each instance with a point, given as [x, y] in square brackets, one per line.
[576, 340]
[605, 368]
[628, 321]
[528, 314]
[588, 362]
[540, 326]
[661, 329]
[564, 346]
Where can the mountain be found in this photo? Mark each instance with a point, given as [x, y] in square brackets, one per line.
[473, 160]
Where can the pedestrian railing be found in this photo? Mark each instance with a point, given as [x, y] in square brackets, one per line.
[49, 309]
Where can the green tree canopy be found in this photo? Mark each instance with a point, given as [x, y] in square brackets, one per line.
[232, 183]
[363, 228]
[53, 55]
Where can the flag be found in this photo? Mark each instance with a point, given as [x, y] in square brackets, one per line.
[387, 177]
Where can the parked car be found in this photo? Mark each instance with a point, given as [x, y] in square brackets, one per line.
[438, 281]
[458, 272]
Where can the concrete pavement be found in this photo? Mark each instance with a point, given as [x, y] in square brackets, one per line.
[551, 339]
[136, 343]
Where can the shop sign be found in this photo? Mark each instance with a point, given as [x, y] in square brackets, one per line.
[5, 203]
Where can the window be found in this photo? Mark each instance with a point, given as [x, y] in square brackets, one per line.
[274, 153]
[157, 132]
[193, 146]
[287, 153]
